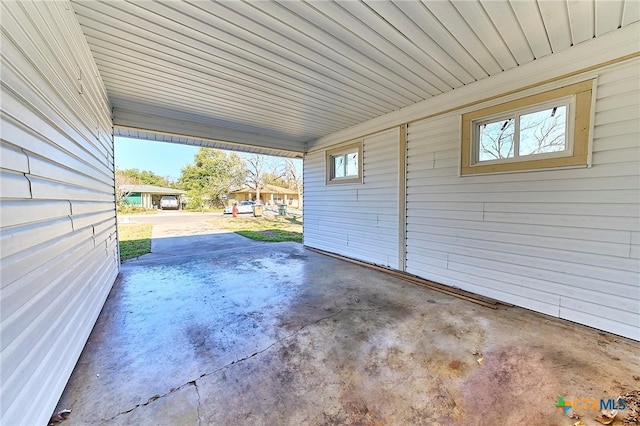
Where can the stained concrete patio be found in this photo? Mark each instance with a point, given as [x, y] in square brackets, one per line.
[213, 328]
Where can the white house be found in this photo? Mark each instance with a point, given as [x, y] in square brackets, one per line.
[490, 146]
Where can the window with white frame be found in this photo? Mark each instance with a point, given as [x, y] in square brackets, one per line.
[539, 130]
[547, 130]
[344, 164]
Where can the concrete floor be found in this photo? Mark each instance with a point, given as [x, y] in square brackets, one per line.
[212, 328]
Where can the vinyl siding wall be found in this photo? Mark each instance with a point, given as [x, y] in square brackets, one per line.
[58, 240]
[561, 242]
[356, 220]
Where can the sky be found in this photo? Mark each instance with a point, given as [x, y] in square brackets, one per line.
[164, 159]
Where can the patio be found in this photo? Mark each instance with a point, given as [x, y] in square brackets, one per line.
[231, 331]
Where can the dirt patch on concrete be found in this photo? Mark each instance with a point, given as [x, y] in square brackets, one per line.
[514, 385]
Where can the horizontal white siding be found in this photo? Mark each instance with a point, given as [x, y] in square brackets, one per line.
[562, 242]
[356, 220]
[58, 237]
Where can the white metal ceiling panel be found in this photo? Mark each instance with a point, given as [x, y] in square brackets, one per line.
[503, 18]
[421, 21]
[631, 12]
[298, 70]
[609, 15]
[581, 16]
[454, 23]
[477, 19]
[556, 23]
[427, 51]
[529, 17]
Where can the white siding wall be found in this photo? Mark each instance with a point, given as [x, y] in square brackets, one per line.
[562, 242]
[58, 235]
[356, 220]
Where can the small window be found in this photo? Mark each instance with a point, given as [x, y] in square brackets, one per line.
[541, 131]
[536, 131]
[344, 164]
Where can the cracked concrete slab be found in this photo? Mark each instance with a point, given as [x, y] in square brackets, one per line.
[182, 406]
[241, 332]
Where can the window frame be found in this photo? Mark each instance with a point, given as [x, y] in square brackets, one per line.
[568, 102]
[343, 150]
[578, 130]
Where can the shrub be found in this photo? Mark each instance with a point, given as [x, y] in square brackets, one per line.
[129, 209]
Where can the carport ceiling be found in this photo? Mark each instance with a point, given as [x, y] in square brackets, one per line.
[278, 74]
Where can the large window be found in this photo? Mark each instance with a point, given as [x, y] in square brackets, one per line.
[537, 132]
[344, 164]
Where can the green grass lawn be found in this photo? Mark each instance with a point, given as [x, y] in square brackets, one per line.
[267, 228]
[135, 239]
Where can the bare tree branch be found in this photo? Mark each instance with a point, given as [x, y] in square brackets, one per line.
[294, 177]
[256, 170]
[538, 133]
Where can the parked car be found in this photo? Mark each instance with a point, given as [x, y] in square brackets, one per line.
[243, 207]
[169, 202]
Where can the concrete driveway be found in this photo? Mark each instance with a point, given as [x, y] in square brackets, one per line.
[213, 328]
[177, 233]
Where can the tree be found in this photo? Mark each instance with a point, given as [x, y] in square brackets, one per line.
[271, 178]
[121, 182]
[538, 132]
[255, 173]
[543, 131]
[144, 177]
[211, 176]
[496, 140]
[294, 178]
[259, 174]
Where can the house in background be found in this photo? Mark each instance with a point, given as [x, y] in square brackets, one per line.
[270, 195]
[148, 196]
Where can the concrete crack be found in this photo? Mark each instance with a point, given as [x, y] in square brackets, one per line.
[360, 310]
[198, 407]
[237, 361]
[153, 398]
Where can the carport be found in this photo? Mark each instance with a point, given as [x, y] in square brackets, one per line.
[385, 102]
[213, 328]
[148, 196]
